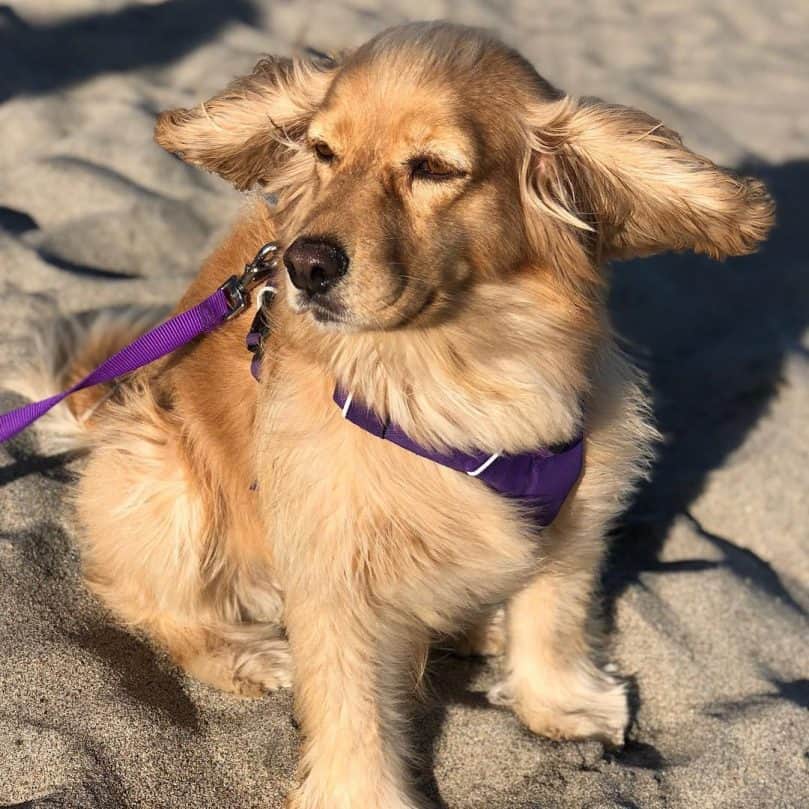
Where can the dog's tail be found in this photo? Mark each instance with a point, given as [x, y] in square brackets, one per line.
[66, 350]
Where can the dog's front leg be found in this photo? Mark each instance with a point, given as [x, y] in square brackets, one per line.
[554, 683]
[351, 666]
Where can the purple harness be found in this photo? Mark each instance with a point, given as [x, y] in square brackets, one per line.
[540, 480]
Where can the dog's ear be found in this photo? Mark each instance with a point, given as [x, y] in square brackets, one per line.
[623, 184]
[245, 132]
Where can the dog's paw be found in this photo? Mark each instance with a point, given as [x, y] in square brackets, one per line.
[263, 666]
[249, 669]
[595, 707]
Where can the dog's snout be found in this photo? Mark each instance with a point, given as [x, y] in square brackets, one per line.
[315, 265]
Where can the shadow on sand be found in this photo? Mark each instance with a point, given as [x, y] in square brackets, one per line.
[40, 58]
[715, 338]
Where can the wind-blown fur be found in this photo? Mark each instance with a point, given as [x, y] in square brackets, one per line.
[473, 314]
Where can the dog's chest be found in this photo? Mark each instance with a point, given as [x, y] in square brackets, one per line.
[333, 494]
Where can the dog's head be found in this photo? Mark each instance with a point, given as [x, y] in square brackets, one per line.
[433, 161]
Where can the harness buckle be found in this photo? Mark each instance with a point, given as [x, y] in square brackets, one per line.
[236, 289]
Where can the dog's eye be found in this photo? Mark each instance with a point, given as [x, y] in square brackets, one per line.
[323, 152]
[431, 168]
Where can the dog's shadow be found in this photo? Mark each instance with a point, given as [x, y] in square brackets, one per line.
[714, 339]
[449, 678]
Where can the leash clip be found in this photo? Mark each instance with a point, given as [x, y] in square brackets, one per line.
[236, 289]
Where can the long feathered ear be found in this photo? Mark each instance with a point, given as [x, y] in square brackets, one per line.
[245, 132]
[621, 184]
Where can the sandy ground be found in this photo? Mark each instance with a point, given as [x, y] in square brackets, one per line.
[707, 586]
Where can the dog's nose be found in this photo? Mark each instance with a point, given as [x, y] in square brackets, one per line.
[315, 265]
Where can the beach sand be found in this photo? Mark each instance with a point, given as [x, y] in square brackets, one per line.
[707, 588]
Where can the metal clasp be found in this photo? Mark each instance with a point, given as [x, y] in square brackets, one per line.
[236, 289]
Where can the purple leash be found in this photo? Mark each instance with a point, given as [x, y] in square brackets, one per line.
[229, 300]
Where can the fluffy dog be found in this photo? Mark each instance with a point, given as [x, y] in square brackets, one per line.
[447, 218]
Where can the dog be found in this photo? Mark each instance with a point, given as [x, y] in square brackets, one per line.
[446, 218]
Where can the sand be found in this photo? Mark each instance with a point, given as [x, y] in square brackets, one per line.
[708, 585]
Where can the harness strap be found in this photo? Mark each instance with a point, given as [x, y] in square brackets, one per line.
[540, 479]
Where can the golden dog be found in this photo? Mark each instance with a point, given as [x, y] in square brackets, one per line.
[447, 217]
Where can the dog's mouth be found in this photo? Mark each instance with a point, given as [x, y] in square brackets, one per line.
[322, 310]
[327, 314]
[332, 314]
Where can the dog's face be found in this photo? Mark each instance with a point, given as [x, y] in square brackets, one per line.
[434, 161]
[412, 200]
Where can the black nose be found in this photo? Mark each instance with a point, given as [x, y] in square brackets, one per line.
[315, 265]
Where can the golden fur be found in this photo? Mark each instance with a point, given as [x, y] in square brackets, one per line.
[473, 315]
